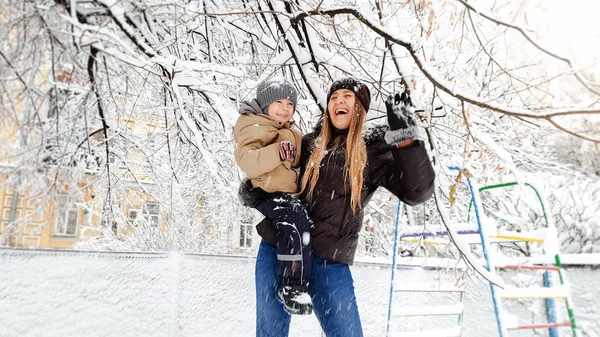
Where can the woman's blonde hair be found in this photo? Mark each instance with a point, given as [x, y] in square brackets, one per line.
[356, 156]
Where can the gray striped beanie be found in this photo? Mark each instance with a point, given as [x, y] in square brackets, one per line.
[273, 89]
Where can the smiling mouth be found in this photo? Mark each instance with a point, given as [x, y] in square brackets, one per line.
[340, 112]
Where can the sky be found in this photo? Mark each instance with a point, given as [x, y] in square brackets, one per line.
[572, 28]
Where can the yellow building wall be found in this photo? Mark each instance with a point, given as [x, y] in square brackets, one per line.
[34, 226]
[39, 230]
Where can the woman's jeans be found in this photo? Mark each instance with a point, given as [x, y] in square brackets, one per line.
[331, 289]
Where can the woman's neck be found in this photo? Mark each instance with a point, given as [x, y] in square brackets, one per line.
[338, 132]
[338, 137]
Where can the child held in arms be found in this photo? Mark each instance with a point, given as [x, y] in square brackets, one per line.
[268, 151]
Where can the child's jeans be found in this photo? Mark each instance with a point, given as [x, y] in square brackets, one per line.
[331, 289]
[293, 250]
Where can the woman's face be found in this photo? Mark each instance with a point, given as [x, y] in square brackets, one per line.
[341, 107]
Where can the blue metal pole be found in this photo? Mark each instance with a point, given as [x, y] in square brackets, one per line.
[550, 306]
[387, 333]
[485, 254]
[487, 260]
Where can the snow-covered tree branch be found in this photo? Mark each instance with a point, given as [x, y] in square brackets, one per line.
[138, 98]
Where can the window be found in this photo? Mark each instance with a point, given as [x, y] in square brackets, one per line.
[245, 235]
[152, 142]
[113, 144]
[8, 199]
[151, 139]
[134, 155]
[115, 228]
[6, 214]
[151, 213]
[118, 148]
[67, 217]
[132, 215]
[108, 218]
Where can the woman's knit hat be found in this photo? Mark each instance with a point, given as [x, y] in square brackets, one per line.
[359, 88]
[273, 89]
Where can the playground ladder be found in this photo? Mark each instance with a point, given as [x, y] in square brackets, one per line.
[432, 310]
[550, 292]
[486, 236]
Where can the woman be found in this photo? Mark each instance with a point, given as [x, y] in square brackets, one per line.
[351, 166]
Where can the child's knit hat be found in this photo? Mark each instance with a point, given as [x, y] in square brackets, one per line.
[273, 89]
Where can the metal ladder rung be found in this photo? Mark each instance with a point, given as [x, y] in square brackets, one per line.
[515, 238]
[536, 235]
[451, 332]
[445, 287]
[436, 230]
[534, 292]
[500, 238]
[524, 267]
[431, 310]
[541, 326]
[472, 236]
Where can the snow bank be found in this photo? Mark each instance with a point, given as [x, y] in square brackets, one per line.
[63, 293]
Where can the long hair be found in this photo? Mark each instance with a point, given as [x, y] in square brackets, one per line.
[356, 156]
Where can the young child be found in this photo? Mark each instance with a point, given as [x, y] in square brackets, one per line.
[268, 151]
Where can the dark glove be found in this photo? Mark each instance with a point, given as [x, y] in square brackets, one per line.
[248, 195]
[401, 118]
[287, 151]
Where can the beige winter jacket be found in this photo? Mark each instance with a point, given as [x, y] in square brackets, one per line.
[257, 137]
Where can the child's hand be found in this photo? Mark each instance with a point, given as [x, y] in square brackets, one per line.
[287, 151]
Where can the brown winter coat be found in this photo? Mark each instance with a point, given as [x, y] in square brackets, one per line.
[406, 172]
[257, 137]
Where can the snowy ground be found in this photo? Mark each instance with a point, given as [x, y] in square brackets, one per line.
[58, 293]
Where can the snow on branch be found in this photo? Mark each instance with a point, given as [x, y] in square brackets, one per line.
[438, 82]
[118, 14]
[313, 87]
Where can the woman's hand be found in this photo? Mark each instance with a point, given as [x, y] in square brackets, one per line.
[401, 119]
